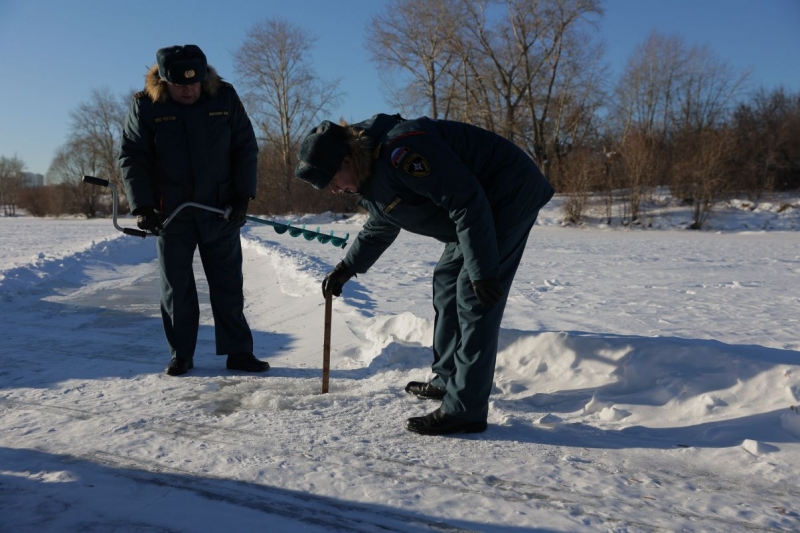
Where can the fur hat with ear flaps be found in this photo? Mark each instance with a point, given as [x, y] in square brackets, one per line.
[181, 65]
[176, 65]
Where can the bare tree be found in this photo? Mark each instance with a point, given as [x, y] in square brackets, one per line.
[500, 48]
[526, 69]
[285, 98]
[10, 183]
[71, 162]
[707, 90]
[40, 201]
[419, 43]
[667, 86]
[645, 93]
[470, 96]
[575, 121]
[701, 173]
[562, 77]
[96, 133]
[705, 96]
[643, 114]
[670, 91]
[577, 175]
[767, 137]
[609, 173]
[644, 160]
[524, 64]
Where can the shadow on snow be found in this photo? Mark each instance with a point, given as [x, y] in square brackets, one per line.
[105, 492]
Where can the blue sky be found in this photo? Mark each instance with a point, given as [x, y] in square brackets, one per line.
[54, 53]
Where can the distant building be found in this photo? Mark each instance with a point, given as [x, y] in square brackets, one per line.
[29, 179]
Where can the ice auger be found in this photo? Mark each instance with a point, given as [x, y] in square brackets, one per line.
[280, 228]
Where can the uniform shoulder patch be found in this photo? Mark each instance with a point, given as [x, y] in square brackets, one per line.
[416, 165]
[398, 155]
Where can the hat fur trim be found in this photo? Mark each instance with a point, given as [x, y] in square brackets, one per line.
[156, 88]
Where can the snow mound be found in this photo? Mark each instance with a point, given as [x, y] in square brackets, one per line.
[43, 266]
[405, 328]
[298, 274]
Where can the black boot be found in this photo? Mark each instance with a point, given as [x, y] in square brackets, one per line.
[246, 362]
[440, 423]
[178, 367]
[426, 391]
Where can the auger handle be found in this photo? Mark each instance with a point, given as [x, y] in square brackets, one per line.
[95, 181]
[135, 232]
[280, 228]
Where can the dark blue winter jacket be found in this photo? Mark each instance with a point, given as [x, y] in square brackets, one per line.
[448, 180]
[173, 153]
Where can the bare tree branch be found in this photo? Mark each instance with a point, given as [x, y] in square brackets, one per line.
[284, 96]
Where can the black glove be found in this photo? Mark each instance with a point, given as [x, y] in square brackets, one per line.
[488, 291]
[148, 220]
[335, 280]
[238, 209]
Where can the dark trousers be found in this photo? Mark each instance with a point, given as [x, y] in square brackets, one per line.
[221, 255]
[465, 332]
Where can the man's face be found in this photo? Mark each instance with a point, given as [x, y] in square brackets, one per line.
[345, 180]
[184, 94]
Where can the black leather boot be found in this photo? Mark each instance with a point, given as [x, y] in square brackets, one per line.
[177, 367]
[246, 362]
[440, 423]
[426, 391]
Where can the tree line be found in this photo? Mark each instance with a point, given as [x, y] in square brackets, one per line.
[531, 70]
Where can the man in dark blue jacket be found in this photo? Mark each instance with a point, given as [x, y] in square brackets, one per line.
[471, 189]
[188, 139]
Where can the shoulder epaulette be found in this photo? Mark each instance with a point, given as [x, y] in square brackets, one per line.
[139, 94]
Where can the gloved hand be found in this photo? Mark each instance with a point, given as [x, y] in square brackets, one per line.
[488, 291]
[148, 220]
[335, 280]
[238, 209]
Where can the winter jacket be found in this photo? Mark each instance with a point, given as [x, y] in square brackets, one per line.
[172, 153]
[448, 180]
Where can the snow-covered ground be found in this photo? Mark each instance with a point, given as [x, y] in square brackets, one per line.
[648, 380]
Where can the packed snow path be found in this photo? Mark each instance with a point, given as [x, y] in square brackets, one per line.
[646, 382]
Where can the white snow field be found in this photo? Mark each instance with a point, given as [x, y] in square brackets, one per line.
[647, 380]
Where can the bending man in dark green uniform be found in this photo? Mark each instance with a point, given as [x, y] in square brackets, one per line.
[188, 139]
[465, 186]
